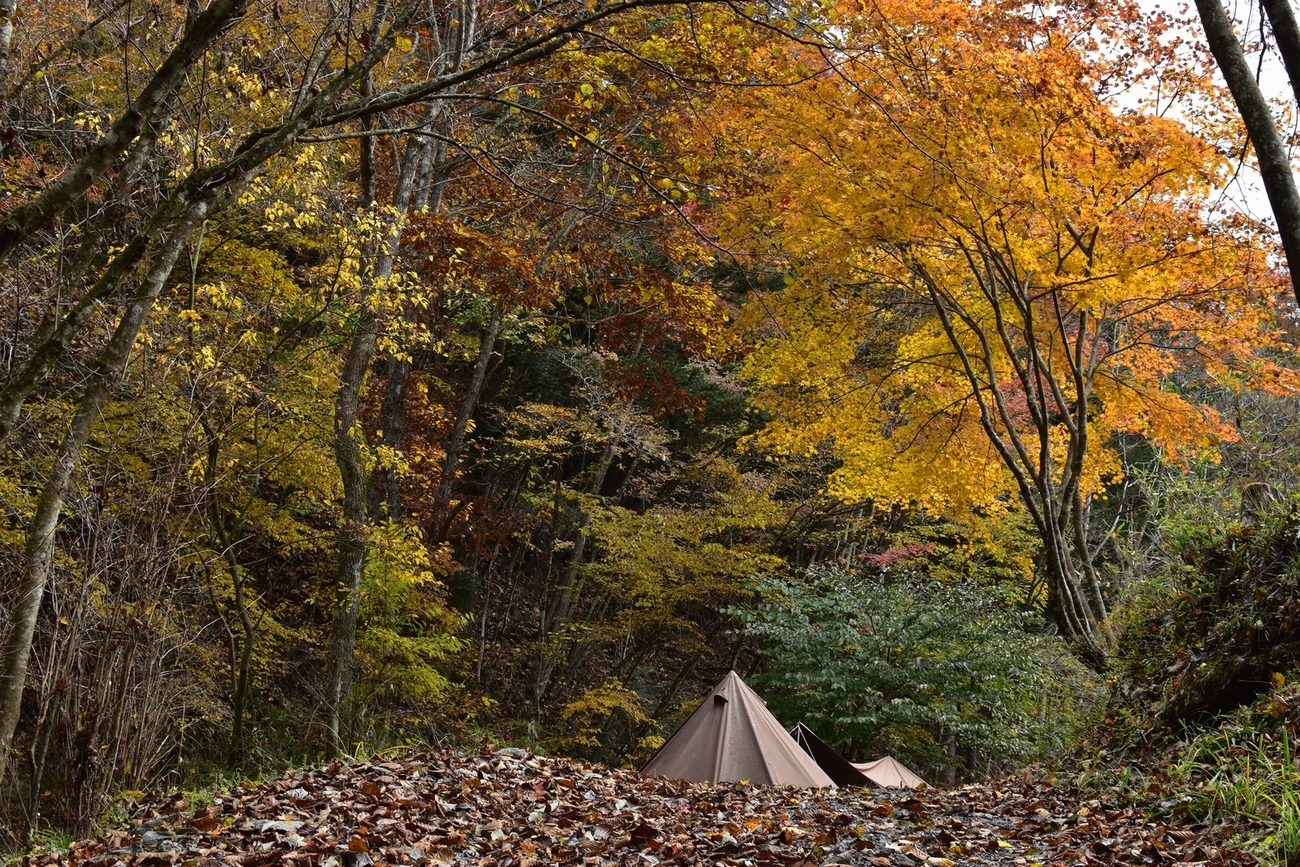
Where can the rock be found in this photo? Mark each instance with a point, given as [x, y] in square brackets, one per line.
[153, 839]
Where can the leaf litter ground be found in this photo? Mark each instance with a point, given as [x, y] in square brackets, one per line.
[509, 808]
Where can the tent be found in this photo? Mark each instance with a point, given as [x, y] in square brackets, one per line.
[732, 736]
[838, 768]
[888, 772]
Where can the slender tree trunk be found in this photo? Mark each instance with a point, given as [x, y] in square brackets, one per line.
[7, 10]
[570, 587]
[439, 525]
[483, 617]
[351, 535]
[64, 654]
[1281, 17]
[244, 676]
[150, 105]
[348, 454]
[1274, 162]
[40, 536]
[387, 489]
[242, 663]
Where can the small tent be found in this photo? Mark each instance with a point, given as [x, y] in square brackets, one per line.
[886, 772]
[838, 768]
[732, 736]
[889, 773]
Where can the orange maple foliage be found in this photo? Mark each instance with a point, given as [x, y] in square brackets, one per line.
[991, 272]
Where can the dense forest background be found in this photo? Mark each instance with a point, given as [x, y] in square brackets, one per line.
[460, 372]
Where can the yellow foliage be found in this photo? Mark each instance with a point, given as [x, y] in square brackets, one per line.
[972, 235]
[589, 716]
[405, 628]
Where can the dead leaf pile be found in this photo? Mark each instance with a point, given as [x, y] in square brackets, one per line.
[508, 808]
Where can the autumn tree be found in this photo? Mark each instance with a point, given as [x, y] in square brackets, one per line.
[992, 273]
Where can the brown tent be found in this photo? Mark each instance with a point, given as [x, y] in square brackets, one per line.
[730, 737]
[887, 772]
[838, 768]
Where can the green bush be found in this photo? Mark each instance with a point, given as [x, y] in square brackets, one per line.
[942, 675]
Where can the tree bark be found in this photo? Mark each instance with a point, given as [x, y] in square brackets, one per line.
[1274, 162]
[439, 525]
[348, 454]
[152, 102]
[8, 8]
[1286, 32]
[40, 536]
[242, 662]
[386, 488]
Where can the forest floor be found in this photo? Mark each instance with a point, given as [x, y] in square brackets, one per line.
[509, 807]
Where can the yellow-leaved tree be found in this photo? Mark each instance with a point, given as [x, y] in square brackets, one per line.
[990, 272]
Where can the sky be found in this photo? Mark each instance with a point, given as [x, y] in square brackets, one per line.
[1246, 193]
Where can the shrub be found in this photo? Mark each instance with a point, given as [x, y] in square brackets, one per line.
[942, 675]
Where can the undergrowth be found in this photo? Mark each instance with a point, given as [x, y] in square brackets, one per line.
[1242, 774]
[1205, 705]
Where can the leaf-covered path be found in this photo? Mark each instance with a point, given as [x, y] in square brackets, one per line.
[512, 808]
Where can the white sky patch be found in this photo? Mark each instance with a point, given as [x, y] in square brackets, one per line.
[1245, 193]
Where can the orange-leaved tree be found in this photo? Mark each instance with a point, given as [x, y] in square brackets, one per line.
[990, 273]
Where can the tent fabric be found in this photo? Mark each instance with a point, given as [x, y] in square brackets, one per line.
[732, 736]
[838, 768]
[888, 772]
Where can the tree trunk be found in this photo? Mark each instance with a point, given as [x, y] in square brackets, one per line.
[40, 536]
[439, 525]
[243, 676]
[152, 103]
[48, 713]
[7, 10]
[347, 453]
[1287, 34]
[570, 587]
[242, 663]
[386, 490]
[1274, 162]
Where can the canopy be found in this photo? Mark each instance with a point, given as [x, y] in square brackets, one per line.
[730, 737]
[838, 768]
[889, 772]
